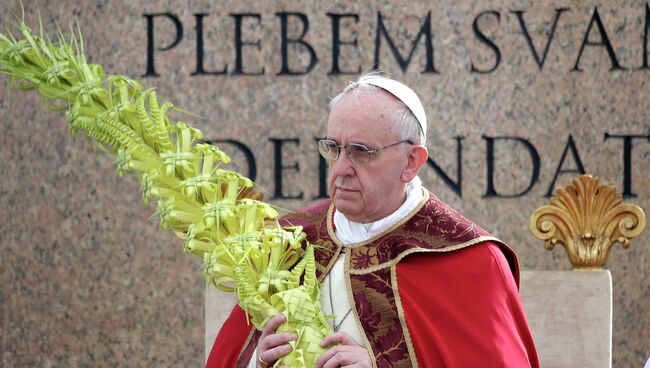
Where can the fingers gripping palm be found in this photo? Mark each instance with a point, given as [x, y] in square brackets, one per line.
[342, 351]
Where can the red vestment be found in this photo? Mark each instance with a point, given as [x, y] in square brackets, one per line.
[456, 303]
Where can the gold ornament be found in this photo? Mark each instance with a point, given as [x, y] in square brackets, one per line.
[587, 219]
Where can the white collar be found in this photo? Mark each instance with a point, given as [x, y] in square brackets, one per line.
[350, 232]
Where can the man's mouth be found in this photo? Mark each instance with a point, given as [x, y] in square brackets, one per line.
[345, 189]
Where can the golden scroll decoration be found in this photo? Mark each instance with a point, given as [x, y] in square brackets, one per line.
[587, 218]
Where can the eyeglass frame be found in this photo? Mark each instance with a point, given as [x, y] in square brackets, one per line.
[371, 151]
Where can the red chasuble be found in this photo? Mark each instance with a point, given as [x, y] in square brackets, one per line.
[434, 290]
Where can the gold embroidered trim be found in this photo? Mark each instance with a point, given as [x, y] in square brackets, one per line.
[332, 232]
[355, 313]
[402, 317]
[330, 225]
[330, 264]
[405, 253]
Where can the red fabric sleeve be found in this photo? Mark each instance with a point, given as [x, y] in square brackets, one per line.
[462, 309]
[230, 340]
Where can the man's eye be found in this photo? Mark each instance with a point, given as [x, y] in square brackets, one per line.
[359, 150]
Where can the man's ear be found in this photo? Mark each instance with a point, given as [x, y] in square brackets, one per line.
[416, 159]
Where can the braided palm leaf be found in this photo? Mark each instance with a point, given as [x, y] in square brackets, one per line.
[215, 211]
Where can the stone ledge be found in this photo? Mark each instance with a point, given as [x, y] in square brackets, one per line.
[570, 316]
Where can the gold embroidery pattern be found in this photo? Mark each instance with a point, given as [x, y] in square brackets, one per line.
[377, 311]
[434, 226]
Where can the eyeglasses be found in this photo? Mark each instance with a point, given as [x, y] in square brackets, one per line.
[357, 153]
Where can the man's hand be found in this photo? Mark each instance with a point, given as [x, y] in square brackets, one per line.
[348, 354]
[273, 346]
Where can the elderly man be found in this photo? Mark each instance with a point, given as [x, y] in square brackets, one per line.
[411, 281]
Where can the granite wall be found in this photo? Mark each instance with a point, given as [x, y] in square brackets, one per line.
[88, 278]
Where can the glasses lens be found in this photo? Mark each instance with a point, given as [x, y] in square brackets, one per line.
[328, 149]
[358, 153]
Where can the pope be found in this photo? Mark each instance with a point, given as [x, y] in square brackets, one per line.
[410, 281]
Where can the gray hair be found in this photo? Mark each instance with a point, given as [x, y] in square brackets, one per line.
[404, 123]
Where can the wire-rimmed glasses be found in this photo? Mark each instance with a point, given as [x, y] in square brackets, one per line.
[357, 153]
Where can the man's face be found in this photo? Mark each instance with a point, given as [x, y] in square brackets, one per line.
[366, 192]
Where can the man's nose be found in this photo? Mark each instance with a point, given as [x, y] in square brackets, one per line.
[343, 166]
